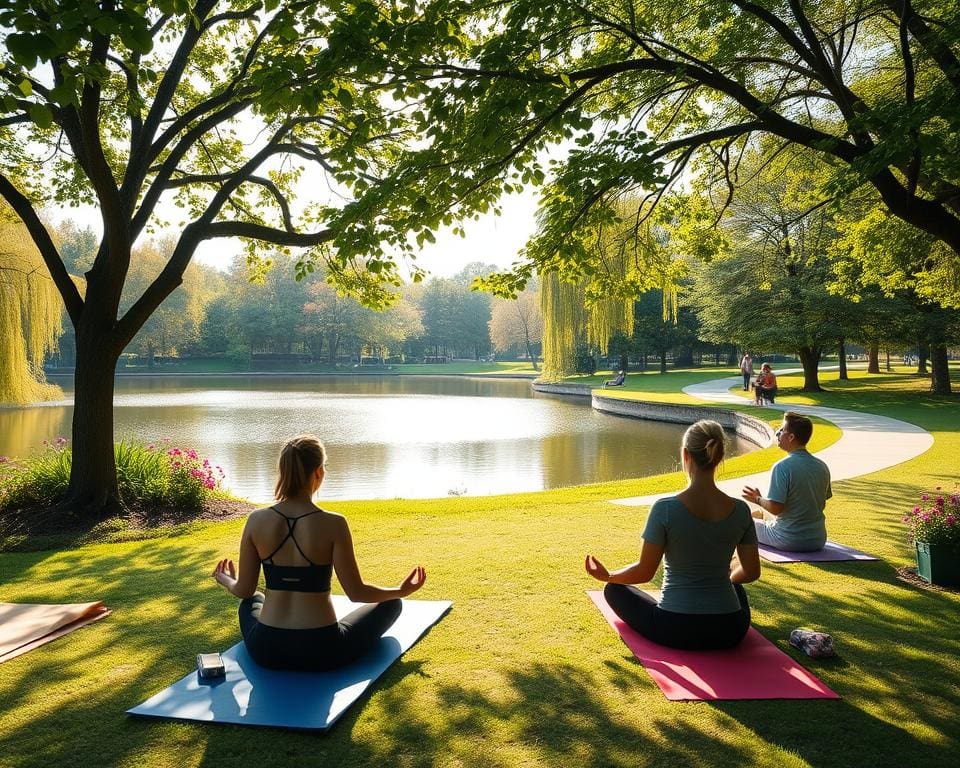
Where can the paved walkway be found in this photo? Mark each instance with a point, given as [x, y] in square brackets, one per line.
[869, 442]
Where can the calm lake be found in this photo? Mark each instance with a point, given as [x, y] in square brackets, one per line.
[387, 437]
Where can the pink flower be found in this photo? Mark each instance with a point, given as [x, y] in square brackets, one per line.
[4, 459]
[924, 497]
[951, 520]
[151, 447]
[61, 441]
[192, 454]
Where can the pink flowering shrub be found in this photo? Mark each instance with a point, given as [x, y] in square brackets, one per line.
[936, 519]
[146, 475]
[192, 477]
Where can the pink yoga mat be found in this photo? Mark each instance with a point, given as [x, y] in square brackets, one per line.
[755, 669]
[831, 552]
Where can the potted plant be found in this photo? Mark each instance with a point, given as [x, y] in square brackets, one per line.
[935, 530]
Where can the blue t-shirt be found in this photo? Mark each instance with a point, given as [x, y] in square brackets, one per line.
[801, 482]
[697, 553]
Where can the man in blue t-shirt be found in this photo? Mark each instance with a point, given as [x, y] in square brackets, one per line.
[799, 489]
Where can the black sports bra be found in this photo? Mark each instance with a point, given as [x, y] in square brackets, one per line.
[296, 578]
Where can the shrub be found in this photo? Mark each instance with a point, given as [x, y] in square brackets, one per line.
[584, 361]
[936, 519]
[146, 475]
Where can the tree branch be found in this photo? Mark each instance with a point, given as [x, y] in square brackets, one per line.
[140, 157]
[169, 166]
[267, 234]
[220, 178]
[933, 44]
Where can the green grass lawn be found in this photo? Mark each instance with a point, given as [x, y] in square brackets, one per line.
[221, 366]
[523, 671]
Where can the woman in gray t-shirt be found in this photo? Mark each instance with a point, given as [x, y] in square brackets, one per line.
[703, 603]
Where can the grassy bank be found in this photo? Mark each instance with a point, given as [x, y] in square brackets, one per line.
[226, 366]
[523, 671]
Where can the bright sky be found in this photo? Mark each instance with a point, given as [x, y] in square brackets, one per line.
[491, 240]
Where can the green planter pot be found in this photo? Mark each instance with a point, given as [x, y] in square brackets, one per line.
[939, 563]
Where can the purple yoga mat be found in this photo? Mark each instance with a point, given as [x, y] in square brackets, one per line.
[755, 669]
[831, 552]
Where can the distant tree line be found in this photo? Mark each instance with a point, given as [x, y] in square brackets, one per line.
[273, 317]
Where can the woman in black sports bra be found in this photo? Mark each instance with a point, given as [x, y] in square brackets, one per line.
[293, 625]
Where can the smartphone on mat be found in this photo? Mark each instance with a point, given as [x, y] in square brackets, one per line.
[210, 665]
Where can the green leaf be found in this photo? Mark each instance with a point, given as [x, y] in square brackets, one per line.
[23, 50]
[106, 25]
[26, 87]
[137, 38]
[41, 115]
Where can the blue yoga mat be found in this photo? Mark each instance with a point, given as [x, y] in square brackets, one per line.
[252, 695]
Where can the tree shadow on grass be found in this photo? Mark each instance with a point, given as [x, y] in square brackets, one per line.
[834, 733]
[551, 714]
[63, 703]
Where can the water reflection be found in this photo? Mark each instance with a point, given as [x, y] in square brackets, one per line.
[413, 437]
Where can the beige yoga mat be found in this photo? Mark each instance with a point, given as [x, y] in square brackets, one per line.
[24, 626]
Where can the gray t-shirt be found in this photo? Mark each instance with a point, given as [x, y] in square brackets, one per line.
[801, 482]
[696, 559]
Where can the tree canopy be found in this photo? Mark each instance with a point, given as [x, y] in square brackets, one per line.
[206, 112]
[646, 93]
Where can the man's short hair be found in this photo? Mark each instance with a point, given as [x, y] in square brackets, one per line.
[799, 426]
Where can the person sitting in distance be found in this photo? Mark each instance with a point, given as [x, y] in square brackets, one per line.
[616, 381]
[703, 605]
[799, 489]
[293, 625]
[766, 387]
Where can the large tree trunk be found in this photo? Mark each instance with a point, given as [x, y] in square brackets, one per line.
[810, 360]
[940, 381]
[843, 360]
[93, 492]
[923, 353]
[873, 358]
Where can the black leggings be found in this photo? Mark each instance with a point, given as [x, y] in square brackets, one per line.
[318, 649]
[687, 631]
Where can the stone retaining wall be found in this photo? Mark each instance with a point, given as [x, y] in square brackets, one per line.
[749, 428]
[578, 390]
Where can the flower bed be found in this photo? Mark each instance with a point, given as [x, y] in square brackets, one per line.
[153, 474]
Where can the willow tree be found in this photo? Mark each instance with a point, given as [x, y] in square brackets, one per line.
[204, 112]
[588, 297]
[30, 317]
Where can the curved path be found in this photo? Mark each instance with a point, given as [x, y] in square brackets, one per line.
[869, 442]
